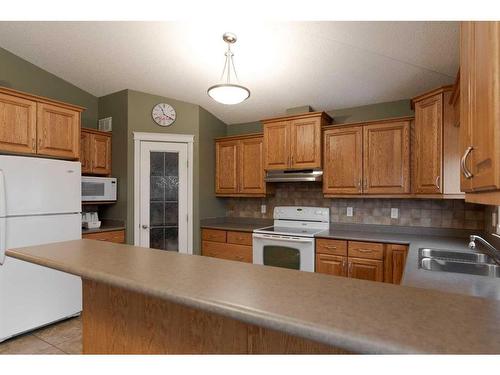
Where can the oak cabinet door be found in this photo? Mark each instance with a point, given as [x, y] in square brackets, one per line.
[395, 262]
[305, 143]
[277, 145]
[386, 167]
[100, 154]
[429, 145]
[226, 155]
[85, 148]
[251, 166]
[58, 131]
[366, 269]
[343, 161]
[331, 264]
[17, 124]
[484, 102]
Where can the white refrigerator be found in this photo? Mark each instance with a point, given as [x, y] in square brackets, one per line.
[40, 202]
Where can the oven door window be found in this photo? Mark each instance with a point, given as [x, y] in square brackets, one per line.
[281, 256]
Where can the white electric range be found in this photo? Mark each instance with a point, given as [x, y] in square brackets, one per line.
[289, 243]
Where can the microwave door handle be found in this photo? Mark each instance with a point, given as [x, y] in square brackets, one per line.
[3, 219]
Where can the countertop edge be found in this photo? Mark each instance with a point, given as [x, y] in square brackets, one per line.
[342, 340]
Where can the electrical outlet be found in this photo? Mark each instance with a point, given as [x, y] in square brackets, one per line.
[394, 213]
[349, 211]
[263, 208]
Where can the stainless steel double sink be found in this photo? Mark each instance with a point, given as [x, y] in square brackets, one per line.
[472, 263]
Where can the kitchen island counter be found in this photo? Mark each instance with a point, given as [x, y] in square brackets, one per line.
[346, 314]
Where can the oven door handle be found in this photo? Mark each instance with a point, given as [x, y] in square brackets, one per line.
[281, 238]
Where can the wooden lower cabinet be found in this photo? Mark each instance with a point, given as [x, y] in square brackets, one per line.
[331, 264]
[230, 245]
[117, 236]
[366, 269]
[361, 260]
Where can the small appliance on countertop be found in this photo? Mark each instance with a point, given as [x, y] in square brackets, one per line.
[289, 243]
[90, 220]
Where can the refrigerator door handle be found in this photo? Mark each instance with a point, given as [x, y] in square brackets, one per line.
[3, 219]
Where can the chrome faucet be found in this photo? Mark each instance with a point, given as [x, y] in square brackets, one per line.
[489, 249]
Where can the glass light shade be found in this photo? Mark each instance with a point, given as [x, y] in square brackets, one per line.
[228, 93]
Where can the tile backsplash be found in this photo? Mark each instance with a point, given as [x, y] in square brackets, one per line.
[436, 213]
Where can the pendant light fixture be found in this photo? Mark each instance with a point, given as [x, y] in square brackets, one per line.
[227, 92]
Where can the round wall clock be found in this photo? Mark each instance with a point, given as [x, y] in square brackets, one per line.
[163, 114]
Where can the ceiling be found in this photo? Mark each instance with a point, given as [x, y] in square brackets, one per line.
[328, 65]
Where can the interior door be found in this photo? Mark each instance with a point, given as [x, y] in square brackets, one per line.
[164, 196]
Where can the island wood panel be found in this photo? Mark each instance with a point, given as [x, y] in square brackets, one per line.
[429, 145]
[58, 131]
[343, 160]
[305, 143]
[484, 99]
[85, 141]
[386, 164]
[277, 145]
[226, 179]
[17, 124]
[119, 321]
[251, 168]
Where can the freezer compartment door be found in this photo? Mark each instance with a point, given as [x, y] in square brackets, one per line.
[34, 186]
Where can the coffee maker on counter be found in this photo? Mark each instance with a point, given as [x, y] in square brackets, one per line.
[90, 220]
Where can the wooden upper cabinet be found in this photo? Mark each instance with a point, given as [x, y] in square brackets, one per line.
[294, 142]
[386, 167]
[226, 179]
[17, 124]
[251, 168]
[85, 139]
[277, 145]
[240, 166]
[366, 269]
[58, 131]
[480, 69]
[95, 152]
[343, 160]
[305, 143]
[428, 147]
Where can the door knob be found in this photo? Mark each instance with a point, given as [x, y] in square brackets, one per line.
[144, 226]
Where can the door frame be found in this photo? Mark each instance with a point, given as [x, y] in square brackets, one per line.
[188, 139]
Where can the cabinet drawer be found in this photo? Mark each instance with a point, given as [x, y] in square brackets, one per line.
[219, 250]
[240, 238]
[367, 250]
[117, 236]
[214, 235]
[333, 247]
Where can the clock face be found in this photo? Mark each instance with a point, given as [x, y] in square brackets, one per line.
[163, 114]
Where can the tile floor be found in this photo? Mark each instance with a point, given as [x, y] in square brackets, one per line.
[60, 338]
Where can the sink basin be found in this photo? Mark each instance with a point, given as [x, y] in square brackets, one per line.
[471, 268]
[457, 256]
[471, 263]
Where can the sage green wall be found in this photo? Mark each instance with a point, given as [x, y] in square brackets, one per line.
[19, 74]
[210, 127]
[376, 111]
[115, 106]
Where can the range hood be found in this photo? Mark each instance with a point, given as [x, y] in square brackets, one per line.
[294, 176]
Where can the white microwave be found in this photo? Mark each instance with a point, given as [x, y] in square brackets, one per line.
[98, 189]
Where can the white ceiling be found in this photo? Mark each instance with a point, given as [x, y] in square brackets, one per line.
[327, 65]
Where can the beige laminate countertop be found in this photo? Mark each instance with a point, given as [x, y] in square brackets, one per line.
[356, 315]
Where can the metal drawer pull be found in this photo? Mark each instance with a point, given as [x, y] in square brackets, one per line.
[350, 268]
[365, 250]
[331, 247]
[438, 180]
[463, 163]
